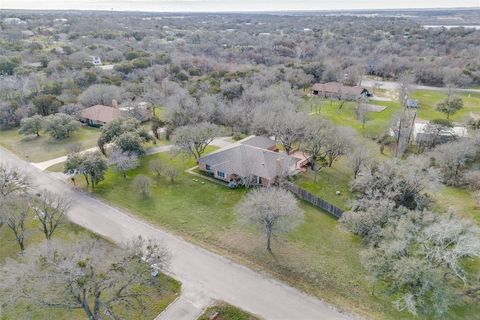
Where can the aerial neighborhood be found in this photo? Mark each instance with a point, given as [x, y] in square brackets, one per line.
[239, 160]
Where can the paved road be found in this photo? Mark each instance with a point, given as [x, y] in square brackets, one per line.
[392, 85]
[203, 274]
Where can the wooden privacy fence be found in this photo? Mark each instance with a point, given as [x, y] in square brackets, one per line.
[313, 199]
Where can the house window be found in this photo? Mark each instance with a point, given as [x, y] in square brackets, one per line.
[221, 174]
[207, 166]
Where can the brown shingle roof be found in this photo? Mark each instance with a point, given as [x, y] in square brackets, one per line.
[101, 113]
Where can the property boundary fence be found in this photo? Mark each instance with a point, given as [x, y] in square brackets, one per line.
[313, 199]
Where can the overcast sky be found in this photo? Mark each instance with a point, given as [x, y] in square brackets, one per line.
[231, 5]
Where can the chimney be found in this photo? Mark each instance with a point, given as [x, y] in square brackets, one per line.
[114, 104]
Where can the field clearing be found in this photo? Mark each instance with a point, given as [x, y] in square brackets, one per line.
[345, 115]
[38, 149]
[377, 123]
[428, 99]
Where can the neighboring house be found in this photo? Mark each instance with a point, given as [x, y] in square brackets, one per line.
[96, 61]
[426, 132]
[99, 115]
[339, 91]
[254, 160]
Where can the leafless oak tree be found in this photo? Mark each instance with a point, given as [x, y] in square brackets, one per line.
[89, 275]
[271, 210]
[51, 210]
[194, 139]
[14, 214]
[12, 181]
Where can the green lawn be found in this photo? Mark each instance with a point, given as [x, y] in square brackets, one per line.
[156, 300]
[327, 182]
[459, 199]
[318, 257]
[38, 149]
[428, 99]
[225, 311]
[377, 122]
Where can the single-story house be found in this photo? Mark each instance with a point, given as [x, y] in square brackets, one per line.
[99, 115]
[339, 91]
[254, 159]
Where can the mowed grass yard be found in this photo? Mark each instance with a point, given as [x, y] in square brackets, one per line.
[156, 299]
[38, 149]
[428, 100]
[377, 123]
[328, 181]
[318, 257]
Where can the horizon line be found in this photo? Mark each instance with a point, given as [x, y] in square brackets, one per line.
[249, 11]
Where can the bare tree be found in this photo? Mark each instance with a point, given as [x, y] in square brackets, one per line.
[124, 161]
[14, 214]
[270, 209]
[156, 166]
[142, 184]
[314, 142]
[401, 182]
[452, 158]
[421, 256]
[12, 181]
[171, 173]
[358, 157]
[337, 144]
[362, 111]
[88, 275]
[194, 139]
[99, 94]
[51, 210]
[288, 128]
